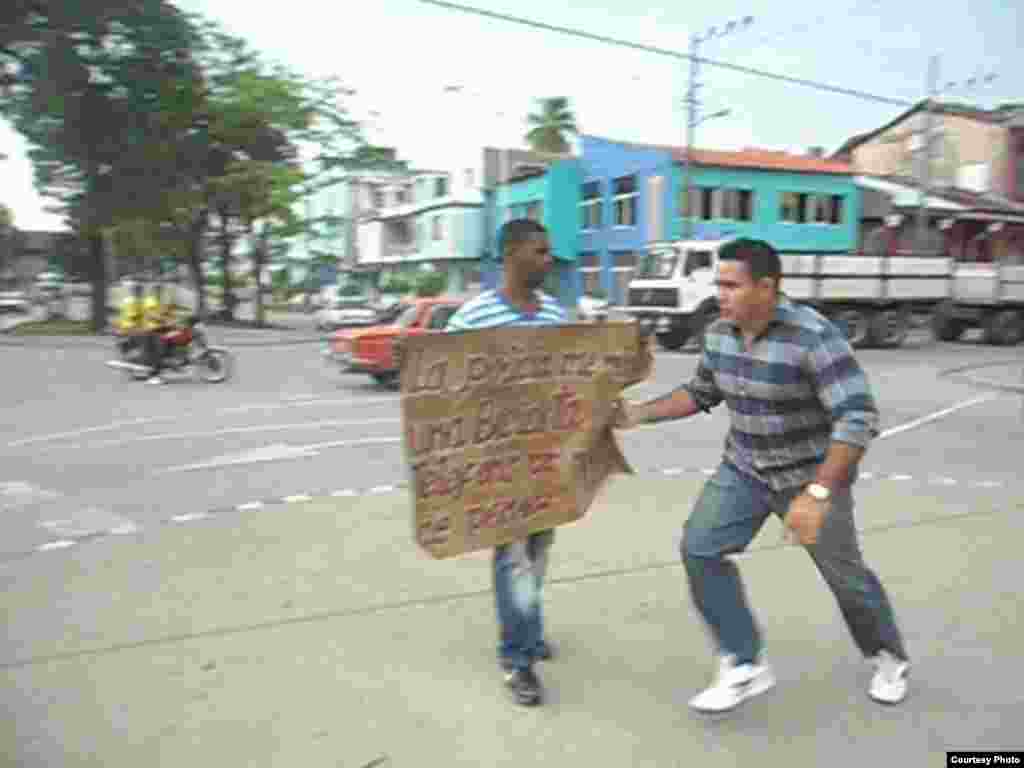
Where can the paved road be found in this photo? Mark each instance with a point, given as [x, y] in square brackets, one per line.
[86, 451]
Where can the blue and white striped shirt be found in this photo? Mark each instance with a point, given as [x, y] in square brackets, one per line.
[491, 310]
[798, 389]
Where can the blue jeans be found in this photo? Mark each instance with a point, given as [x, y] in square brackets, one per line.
[727, 516]
[519, 569]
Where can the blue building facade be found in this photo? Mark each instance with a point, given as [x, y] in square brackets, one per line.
[606, 207]
[625, 191]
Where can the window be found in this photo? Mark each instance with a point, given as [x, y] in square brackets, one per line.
[737, 204]
[623, 267]
[794, 207]
[590, 207]
[440, 316]
[401, 196]
[440, 186]
[821, 205]
[697, 260]
[437, 227]
[535, 211]
[590, 271]
[377, 197]
[658, 265]
[1020, 172]
[706, 196]
[625, 201]
[835, 213]
[469, 178]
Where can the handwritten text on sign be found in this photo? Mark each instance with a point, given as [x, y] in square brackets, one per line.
[506, 430]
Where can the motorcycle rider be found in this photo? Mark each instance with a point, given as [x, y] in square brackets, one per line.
[158, 319]
[130, 319]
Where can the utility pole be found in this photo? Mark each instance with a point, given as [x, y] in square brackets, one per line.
[926, 150]
[693, 118]
[691, 124]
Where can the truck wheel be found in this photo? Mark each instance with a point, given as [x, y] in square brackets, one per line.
[855, 324]
[1005, 327]
[672, 340]
[889, 328]
[945, 327]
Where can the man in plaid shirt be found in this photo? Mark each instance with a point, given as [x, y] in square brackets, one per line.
[802, 415]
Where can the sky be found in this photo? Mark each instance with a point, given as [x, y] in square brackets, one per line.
[400, 54]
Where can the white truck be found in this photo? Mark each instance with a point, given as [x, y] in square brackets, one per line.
[872, 298]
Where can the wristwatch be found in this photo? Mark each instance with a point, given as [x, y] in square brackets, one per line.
[819, 492]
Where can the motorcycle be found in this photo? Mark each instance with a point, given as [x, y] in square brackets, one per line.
[185, 349]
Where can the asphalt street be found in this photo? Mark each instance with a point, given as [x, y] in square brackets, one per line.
[88, 452]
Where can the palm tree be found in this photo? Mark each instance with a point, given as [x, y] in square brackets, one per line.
[551, 126]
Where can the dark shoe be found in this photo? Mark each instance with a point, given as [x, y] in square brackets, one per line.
[524, 686]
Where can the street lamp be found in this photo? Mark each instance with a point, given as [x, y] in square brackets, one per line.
[693, 104]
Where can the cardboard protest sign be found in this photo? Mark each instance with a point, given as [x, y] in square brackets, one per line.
[506, 430]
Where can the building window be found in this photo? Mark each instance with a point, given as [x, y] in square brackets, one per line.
[625, 201]
[590, 271]
[437, 227]
[835, 213]
[1020, 172]
[440, 186]
[821, 205]
[590, 206]
[401, 196]
[794, 207]
[535, 211]
[707, 198]
[623, 267]
[377, 197]
[737, 204]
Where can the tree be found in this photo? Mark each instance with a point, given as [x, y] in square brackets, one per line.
[83, 80]
[551, 126]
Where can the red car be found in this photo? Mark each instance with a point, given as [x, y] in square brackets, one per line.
[368, 350]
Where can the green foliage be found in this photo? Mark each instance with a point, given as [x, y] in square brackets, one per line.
[431, 283]
[551, 126]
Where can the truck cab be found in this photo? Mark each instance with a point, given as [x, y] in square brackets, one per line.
[673, 291]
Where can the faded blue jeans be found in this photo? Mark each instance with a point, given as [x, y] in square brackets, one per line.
[728, 514]
[519, 570]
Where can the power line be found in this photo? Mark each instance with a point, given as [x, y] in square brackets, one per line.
[672, 54]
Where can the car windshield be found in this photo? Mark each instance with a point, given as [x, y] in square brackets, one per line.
[408, 317]
[657, 265]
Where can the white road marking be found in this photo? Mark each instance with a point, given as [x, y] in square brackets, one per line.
[88, 430]
[189, 517]
[297, 497]
[237, 431]
[901, 477]
[55, 545]
[250, 506]
[348, 492]
[936, 416]
[305, 403]
[124, 530]
[276, 452]
[866, 475]
[672, 472]
[381, 489]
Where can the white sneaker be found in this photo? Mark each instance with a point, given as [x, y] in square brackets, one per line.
[889, 684]
[733, 685]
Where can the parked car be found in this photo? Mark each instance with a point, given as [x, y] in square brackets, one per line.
[345, 313]
[369, 350]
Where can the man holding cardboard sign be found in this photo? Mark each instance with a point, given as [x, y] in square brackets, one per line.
[507, 434]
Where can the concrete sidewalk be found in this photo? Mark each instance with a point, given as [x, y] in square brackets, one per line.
[319, 635]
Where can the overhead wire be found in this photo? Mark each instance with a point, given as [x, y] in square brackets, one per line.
[753, 71]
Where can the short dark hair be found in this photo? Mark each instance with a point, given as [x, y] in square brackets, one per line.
[516, 232]
[761, 259]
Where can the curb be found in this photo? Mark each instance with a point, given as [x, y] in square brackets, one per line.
[377, 490]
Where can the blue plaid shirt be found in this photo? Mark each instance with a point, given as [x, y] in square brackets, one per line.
[797, 390]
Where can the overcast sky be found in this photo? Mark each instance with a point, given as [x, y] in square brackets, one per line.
[400, 54]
